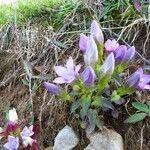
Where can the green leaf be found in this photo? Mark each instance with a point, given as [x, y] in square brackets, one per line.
[85, 103]
[100, 52]
[25, 82]
[6, 111]
[92, 115]
[31, 120]
[29, 106]
[75, 105]
[64, 96]
[42, 77]
[115, 96]
[97, 102]
[124, 90]
[99, 123]
[135, 118]
[141, 107]
[34, 87]
[148, 103]
[103, 82]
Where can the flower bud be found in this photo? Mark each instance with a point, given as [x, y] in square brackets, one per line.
[108, 65]
[12, 115]
[91, 54]
[83, 42]
[96, 32]
[111, 45]
[52, 88]
[88, 76]
[120, 52]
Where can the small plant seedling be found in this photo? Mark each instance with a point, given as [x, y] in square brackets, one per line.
[143, 110]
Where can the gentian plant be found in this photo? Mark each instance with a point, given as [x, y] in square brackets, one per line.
[98, 85]
[17, 138]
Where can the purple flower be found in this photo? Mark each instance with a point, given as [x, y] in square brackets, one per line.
[137, 5]
[13, 143]
[108, 65]
[52, 88]
[96, 32]
[120, 52]
[129, 54]
[88, 76]
[139, 80]
[26, 136]
[91, 54]
[11, 127]
[111, 45]
[83, 42]
[68, 73]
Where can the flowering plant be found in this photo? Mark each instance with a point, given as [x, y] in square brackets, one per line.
[17, 139]
[99, 85]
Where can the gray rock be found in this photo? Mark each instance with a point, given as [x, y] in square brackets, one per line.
[105, 140]
[66, 139]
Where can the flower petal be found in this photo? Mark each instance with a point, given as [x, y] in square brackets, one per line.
[59, 80]
[137, 4]
[70, 64]
[60, 71]
[70, 79]
[111, 45]
[28, 141]
[83, 42]
[144, 86]
[120, 52]
[91, 54]
[52, 88]
[134, 79]
[12, 115]
[13, 143]
[96, 32]
[88, 76]
[145, 78]
[130, 54]
[108, 65]
[77, 68]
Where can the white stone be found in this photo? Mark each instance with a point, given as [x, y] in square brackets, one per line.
[1, 130]
[66, 139]
[105, 140]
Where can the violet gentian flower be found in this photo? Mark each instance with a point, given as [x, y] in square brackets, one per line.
[68, 73]
[108, 65]
[83, 42]
[88, 76]
[111, 45]
[12, 115]
[139, 80]
[120, 52]
[26, 136]
[124, 54]
[129, 54]
[91, 54]
[52, 88]
[12, 144]
[96, 32]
